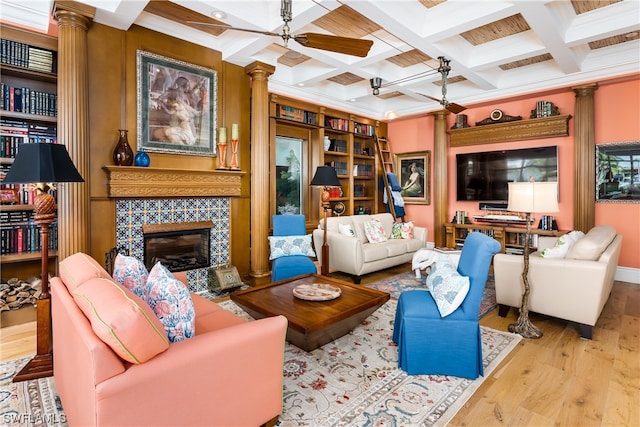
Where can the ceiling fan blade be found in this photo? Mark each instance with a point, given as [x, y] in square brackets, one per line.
[455, 108]
[439, 101]
[346, 45]
[226, 27]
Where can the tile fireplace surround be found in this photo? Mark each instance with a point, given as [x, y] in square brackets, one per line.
[173, 196]
[132, 214]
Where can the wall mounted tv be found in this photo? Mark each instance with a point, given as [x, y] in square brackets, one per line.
[484, 176]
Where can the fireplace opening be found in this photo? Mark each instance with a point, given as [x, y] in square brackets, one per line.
[179, 247]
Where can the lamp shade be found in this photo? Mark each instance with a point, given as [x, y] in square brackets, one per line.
[42, 162]
[325, 177]
[533, 197]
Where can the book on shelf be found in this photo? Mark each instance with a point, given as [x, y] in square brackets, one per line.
[17, 238]
[29, 101]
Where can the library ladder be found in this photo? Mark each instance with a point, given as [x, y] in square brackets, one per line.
[384, 154]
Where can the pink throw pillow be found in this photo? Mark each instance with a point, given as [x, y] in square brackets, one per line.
[76, 269]
[122, 320]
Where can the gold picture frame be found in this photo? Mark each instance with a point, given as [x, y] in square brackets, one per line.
[414, 171]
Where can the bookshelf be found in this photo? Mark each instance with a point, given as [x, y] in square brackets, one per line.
[351, 150]
[28, 114]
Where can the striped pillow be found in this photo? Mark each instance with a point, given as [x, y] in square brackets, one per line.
[122, 320]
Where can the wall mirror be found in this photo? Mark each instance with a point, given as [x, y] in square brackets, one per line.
[618, 172]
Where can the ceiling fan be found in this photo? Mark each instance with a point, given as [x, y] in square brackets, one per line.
[443, 69]
[345, 45]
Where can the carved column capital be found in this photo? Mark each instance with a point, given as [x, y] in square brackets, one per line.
[72, 13]
[259, 70]
[585, 90]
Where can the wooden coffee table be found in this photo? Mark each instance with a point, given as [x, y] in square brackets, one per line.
[312, 323]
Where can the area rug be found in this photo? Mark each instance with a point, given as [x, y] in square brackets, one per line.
[352, 381]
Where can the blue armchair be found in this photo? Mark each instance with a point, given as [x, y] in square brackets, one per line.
[292, 265]
[451, 345]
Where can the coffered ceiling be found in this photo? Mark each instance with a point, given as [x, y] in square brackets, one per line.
[497, 48]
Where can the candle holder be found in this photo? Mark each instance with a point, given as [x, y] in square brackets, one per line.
[222, 156]
[234, 155]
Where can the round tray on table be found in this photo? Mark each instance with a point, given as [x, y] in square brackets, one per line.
[316, 292]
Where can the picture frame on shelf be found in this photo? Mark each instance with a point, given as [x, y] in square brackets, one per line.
[414, 171]
[8, 196]
[177, 106]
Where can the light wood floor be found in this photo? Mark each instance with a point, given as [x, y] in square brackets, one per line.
[558, 380]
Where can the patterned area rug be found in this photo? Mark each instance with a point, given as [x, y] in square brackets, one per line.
[353, 381]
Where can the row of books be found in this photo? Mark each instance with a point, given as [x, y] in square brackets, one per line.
[362, 129]
[338, 145]
[24, 238]
[15, 132]
[296, 114]
[28, 101]
[336, 123]
[340, 167]
[24, 194]
[25, 56]
[362, 169]
[359, 190]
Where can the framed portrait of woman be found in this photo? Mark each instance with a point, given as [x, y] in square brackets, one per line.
[413, 171]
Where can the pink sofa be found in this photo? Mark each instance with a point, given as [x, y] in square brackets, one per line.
[228, 374]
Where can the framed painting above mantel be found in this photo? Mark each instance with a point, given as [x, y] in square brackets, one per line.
[618, 172]
[177, 106]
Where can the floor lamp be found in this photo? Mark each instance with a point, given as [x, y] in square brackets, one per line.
[325, 177]
[42, 164]
[530, 197]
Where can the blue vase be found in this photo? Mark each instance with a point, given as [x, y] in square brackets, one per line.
[142, 159]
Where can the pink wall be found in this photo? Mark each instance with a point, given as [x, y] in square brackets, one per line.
[617, 108]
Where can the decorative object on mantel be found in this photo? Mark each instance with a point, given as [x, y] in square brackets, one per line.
[530, 197]
[122, 152]
[142, 159]
[234, 148]
[497, 116]
[222, 149]
[461, 122]
[544, 109]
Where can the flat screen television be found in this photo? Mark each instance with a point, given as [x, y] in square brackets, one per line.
[485, 176]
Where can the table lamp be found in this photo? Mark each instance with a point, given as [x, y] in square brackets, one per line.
[42, 164]
[530, 197]
[325, 177]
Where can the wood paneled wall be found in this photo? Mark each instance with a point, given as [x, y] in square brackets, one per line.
[113, 105]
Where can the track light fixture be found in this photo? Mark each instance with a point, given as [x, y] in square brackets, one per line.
[375, 85]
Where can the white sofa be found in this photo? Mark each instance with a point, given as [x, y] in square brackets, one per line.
[356, 255]
[573, 288]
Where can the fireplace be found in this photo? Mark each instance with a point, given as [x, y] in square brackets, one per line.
[178, 246]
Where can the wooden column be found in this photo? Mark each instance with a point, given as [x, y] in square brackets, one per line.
[440, 195]
[259, 73]
[74, 20]
[584, 155]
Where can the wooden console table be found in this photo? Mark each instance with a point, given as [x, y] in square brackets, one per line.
[511, 238]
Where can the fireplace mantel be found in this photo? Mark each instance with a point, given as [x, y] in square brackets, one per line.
[138, 182]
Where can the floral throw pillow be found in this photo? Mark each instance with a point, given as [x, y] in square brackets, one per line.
[402, 230]
[448, 288]
[290, 245]
[131, 273]
[171, 302]
[375, 231]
